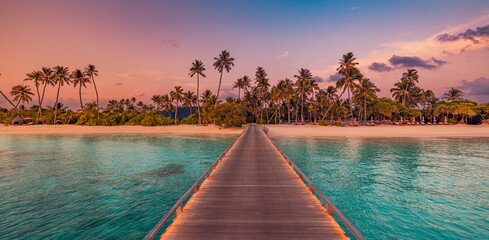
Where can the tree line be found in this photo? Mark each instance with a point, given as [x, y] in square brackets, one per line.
[352, 99]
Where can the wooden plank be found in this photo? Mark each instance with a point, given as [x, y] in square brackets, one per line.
[254, 194]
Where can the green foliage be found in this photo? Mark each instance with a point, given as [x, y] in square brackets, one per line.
[228, 114]
[452, 121]
[337, 124]
[190, 120]
[152, 119]
[322, 123]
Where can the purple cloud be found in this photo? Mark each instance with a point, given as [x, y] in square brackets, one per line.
[479, 86]
[406, 62]
[469, 34]
[319, 79]
[380, 67]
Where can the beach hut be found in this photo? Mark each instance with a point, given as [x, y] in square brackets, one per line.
[18, 121]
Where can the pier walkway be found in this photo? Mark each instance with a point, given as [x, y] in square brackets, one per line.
[253, 193]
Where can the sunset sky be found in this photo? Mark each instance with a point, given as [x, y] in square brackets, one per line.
[142, 48]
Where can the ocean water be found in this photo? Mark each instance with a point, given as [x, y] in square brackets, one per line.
[96, 187]
[402, 188]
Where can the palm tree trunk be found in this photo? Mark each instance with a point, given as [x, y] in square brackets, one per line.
[365, 110]
[176, 112]
[39, 109]
[56, 104]
[351, 107]
[218, 89]
[337, 100]
[81, 103]
[288, 111]
[198, 102]
[15, 107]
[96, 93]
[13, 110]
[302, 108]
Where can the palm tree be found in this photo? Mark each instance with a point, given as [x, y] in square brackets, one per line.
[91, 71]
[206, 97]
[262, 86]
[302, 80]
[366, 91]
[36, 77]
[15, 107]
[198, 69]
[239, 84]
[21, 93]
[347, 68]
[288, 92]
[399, 90]
[223, 62]
[47, 79]
[189, 100]
[411, 78]
[61, 77]
[246, 83]
[80, 79]
[453, 94]
[176, 96]
[166, 102]
[157, 101]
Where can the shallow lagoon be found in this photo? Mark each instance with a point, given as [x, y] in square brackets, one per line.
[113, 187]
[96, 187]
[402, 188]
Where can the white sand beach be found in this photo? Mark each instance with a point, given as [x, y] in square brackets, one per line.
[379, 131]
[274, 130]
[118, 130]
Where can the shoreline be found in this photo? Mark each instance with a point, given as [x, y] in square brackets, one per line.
[380, 131]
[116, 130]
[296, 131]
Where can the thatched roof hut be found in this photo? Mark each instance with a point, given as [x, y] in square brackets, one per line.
[18, 121]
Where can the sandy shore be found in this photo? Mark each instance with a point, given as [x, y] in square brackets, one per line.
[118, 130]
[380, 131]
[274, 130]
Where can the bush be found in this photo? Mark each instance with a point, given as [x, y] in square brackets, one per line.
[190, 120]
[337, 124]
[152, 119]
[452, 121]
[322, 123]
[228, 114]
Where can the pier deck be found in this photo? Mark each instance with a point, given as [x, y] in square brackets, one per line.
[254, 194]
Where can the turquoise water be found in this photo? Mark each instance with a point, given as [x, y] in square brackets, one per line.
[402, 188]
[96, 187]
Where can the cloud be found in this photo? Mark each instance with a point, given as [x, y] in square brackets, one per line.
[284, 54]
[406, 62]
[119, 84]
[469, 34]
[318, 79]
[479, 86]
[334, 77]
[380, 67]
[171, 42]
[355, 8]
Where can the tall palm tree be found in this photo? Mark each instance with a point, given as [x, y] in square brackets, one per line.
[411, 77]
[206, 97]
[453, 94]
[246, 83]
[262, 86]
[11, 103]
[91, 71]
[177, 96]
[302, 80]
[189, 100]
[365, 91]
[61, 77]
[80, 79]
[47, 79]
[157, 101]
[223, 62]
[166, 102]
[347, 68]
[288, 92]
[239, 84]
[198, 69]
[36, 77]
[21, 93]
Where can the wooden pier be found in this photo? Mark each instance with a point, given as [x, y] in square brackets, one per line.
[253, 191]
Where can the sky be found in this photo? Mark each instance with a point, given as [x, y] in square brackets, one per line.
[143, 48]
